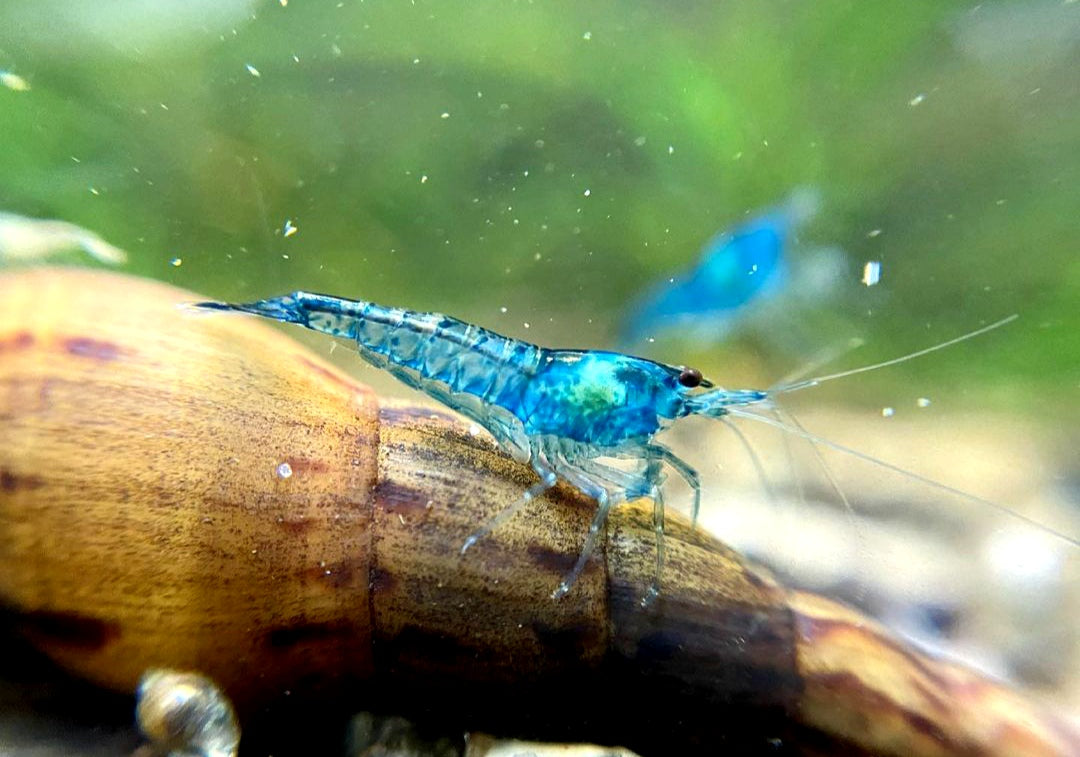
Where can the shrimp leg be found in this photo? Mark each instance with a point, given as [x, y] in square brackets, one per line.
[680, 466]
[653, 591]
[648, 483]
[585, 483]
[548, 477]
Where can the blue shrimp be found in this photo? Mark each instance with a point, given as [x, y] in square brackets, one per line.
[567, 413]
[740, 271]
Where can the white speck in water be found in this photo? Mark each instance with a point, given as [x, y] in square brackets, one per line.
[586, 36]
[502, 309]
[423, 179]
[14, 82]
[916, 100]
[587, 192]
[444, 115]
[887, 412]
[94, 191]
[871, 272]
[335, 50]
[526, 325]
[537, 256]
[652, 340]
[284, 3]
[289, 228]
[176, 262]
[923, 402]
[474, 429]
[296, 58]
[873, 233]
[252, 70]
[284, 471]
[671, 149]
[639, 142]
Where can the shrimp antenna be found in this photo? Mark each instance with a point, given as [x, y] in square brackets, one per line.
[807, 383]
[814, 438]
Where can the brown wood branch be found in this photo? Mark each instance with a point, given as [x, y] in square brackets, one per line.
[203, 493]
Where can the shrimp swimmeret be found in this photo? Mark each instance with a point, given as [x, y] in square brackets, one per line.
[567, 413]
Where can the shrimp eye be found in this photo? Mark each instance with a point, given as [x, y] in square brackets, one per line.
[690, 377]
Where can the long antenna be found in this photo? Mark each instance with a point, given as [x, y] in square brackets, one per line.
[803, 433]
[807, 383]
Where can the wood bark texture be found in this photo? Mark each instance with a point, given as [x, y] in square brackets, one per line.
[203, 493]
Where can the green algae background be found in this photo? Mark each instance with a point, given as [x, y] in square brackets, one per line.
[554, 158]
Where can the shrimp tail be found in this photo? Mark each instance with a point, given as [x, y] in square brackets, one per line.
[285, 309]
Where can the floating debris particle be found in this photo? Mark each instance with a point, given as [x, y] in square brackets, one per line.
[586, 36]
[923, 402]
[916, 100]
[284, 470]
[176, 262]
[888, 412]
[252, 70]
[14, 82]
[289, 228]
[871, 272]
[873, 233]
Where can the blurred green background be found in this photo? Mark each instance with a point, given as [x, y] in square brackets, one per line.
[437, 155]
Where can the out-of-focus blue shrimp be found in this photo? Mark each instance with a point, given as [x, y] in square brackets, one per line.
[568, 413]
[739, 271]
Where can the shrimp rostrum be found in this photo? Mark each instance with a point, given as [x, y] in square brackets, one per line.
[570, 414]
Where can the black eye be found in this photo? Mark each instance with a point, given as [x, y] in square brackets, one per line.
[690, 377]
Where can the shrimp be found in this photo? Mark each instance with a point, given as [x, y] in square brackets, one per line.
[745, 275]
[570, 414]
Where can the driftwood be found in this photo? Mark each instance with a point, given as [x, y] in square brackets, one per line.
[203, 493]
